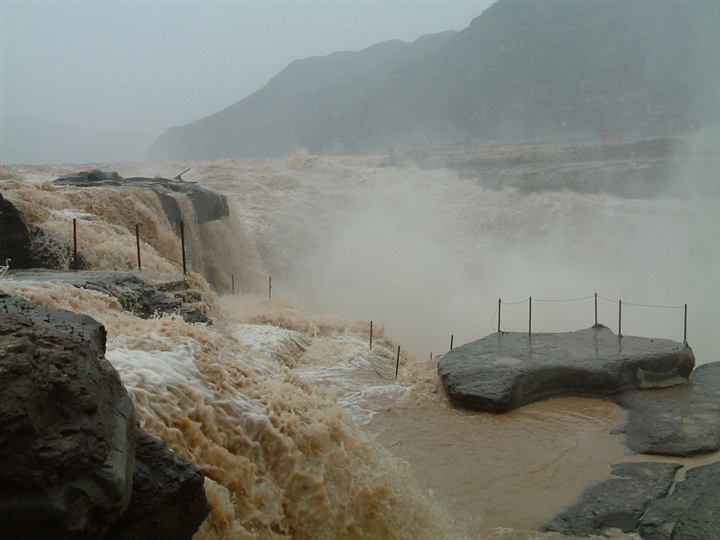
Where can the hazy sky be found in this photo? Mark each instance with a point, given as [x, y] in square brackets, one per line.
[145, 66]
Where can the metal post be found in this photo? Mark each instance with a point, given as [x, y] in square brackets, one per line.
[137, 242]
[530, 316]
[595, 309]
[619, 317]
[685, 326]
[499, 304]
[182, 244]
[452, 337]
[397, 362]
[232, 283]
[371, 334]
[75, 255]
[269, 287]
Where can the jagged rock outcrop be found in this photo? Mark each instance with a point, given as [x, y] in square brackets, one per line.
[507, 370]
[679, 421]
[207, 204]
[70, 462]
[135, 295]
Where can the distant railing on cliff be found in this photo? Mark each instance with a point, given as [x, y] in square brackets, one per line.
[529, 301]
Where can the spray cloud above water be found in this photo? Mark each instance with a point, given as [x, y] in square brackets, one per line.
[430, 253]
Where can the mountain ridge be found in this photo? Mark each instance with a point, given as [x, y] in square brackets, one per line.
[549, 71]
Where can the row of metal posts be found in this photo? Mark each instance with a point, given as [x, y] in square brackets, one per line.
[184, 265]
[76, 264]
[596, 317]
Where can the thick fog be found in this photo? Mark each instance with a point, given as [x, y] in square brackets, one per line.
[109, 77]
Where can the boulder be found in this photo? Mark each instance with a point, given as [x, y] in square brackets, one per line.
[168, 498]
[617, 503]
[67, 426]
[15, 238]
[678, 421]
[208, 205]
[506, 370]
[135, 295]
[73, 462]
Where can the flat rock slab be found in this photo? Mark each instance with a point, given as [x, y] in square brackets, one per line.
[619, 502]
[506, 370]
[678, 421]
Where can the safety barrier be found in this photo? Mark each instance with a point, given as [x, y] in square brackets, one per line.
[619, 303]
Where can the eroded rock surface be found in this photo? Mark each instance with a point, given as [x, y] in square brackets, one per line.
[73, 462]
[650, 499]
[690, 512]
[168, 498]
[67, 425]
[15, 238]
[507, 370]
[618, 502]
[679, 421]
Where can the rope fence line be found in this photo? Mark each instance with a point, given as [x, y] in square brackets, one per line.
[619, 303]
[562, 301]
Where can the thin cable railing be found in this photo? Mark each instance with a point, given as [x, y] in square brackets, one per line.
[529, 301]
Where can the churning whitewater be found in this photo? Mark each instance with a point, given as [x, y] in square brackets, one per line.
[294, 415]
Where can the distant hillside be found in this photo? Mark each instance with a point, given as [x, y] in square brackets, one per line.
[309, 104]
[523, 70]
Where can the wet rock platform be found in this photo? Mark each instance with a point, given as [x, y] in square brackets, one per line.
[507, 370]
[648, 499]
[680, 421]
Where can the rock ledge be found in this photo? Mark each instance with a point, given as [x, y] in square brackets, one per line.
[506, 370]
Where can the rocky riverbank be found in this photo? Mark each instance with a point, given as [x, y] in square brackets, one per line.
[673, 410]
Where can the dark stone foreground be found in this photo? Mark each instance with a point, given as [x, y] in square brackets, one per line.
[618, 502]
[679, 421]
[690, 512]
[639, 498]
[507, 370]
[74, 463]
